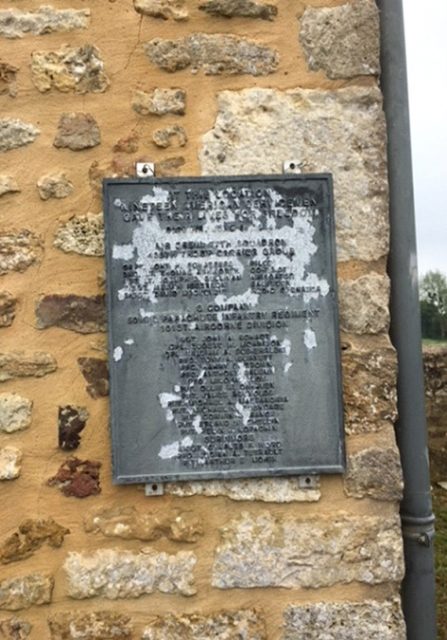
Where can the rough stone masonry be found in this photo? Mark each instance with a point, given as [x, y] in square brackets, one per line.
[220, 87]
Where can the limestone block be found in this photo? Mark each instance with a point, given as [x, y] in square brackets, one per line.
[224, 625]
[77, 478]
[8, 77]
[83, 314]
[96, 374]
[369, 386]
[19, 249]
[14, 629]
[15, 412]
[114, 573]
[15, 133]
[159, 102]
[99, 625]
[239, 8]
[217, 54]
[170, 135]
[342, 41]
[264, 551]
[18, 364]
[77, 131]
[165, 9]
[71, 422]
[82, 234]
[10, 459]
[341, 132]
[77, 69]
[26, 591]
[31, 535]
[8, 185]
[129, 524]
[374, 472]
[345, 621]
[54, 185]
[252, 489]
[8, 304]
[15, 23]
[364, 304]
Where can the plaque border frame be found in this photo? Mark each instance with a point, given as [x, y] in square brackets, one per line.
[304, 470]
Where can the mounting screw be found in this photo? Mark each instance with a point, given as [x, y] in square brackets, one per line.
[154, 489]
[145, 169]
[291, 166]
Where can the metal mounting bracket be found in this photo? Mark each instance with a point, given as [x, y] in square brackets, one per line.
[145, 169]
[154, 489]
[309, 482]
[291, 166]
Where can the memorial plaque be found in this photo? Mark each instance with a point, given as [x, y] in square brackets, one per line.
[223, 328]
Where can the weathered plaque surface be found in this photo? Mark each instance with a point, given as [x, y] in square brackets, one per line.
[223, 332]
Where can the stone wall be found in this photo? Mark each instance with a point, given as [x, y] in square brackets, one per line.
[87, 88]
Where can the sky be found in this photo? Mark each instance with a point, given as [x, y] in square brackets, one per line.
[426, 44]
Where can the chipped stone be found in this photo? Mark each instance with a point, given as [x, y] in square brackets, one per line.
[224, 625]
[252, 489]
[165, 9]
[84, 314]
[31, 535]
[54, 185]
[169, 167]
[15, 23]
[369, 386]
[374, 472]
[77, 69]
[164, 137]
[8, 304]
[96, 373]
[10, 459]
[15, 412]
[77, 478]
[265, 551]
[114, 573]
[8, 185]
[239, 8]
[364, 304]
[159, 102]
[82, 234]
[77, 131]
[71, 422]
[342, 41]
[14, 629]
[129, 524]
[345, 621]
[19, 249]
[15, 133]
[17, 364]
[8, 76]
[129, 144]
[26, 591]
[215, 53]
[99, 625]
[341, 132]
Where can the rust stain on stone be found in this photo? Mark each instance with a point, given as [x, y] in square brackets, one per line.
[77, 478]
[31, 535]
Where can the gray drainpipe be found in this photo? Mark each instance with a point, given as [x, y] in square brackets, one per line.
[418, 589]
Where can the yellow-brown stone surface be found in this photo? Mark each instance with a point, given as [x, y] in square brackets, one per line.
[32, 267]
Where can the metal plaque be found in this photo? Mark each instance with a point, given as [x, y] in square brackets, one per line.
[223, 327]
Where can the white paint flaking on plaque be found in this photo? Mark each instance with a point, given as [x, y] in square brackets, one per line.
[129, 341]
[166, 398]
[196, 424]
[286, 344]
[242, 373]
[117, 353]
[122, 251]
[310, 339]
[169, 450]
[245, 412]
